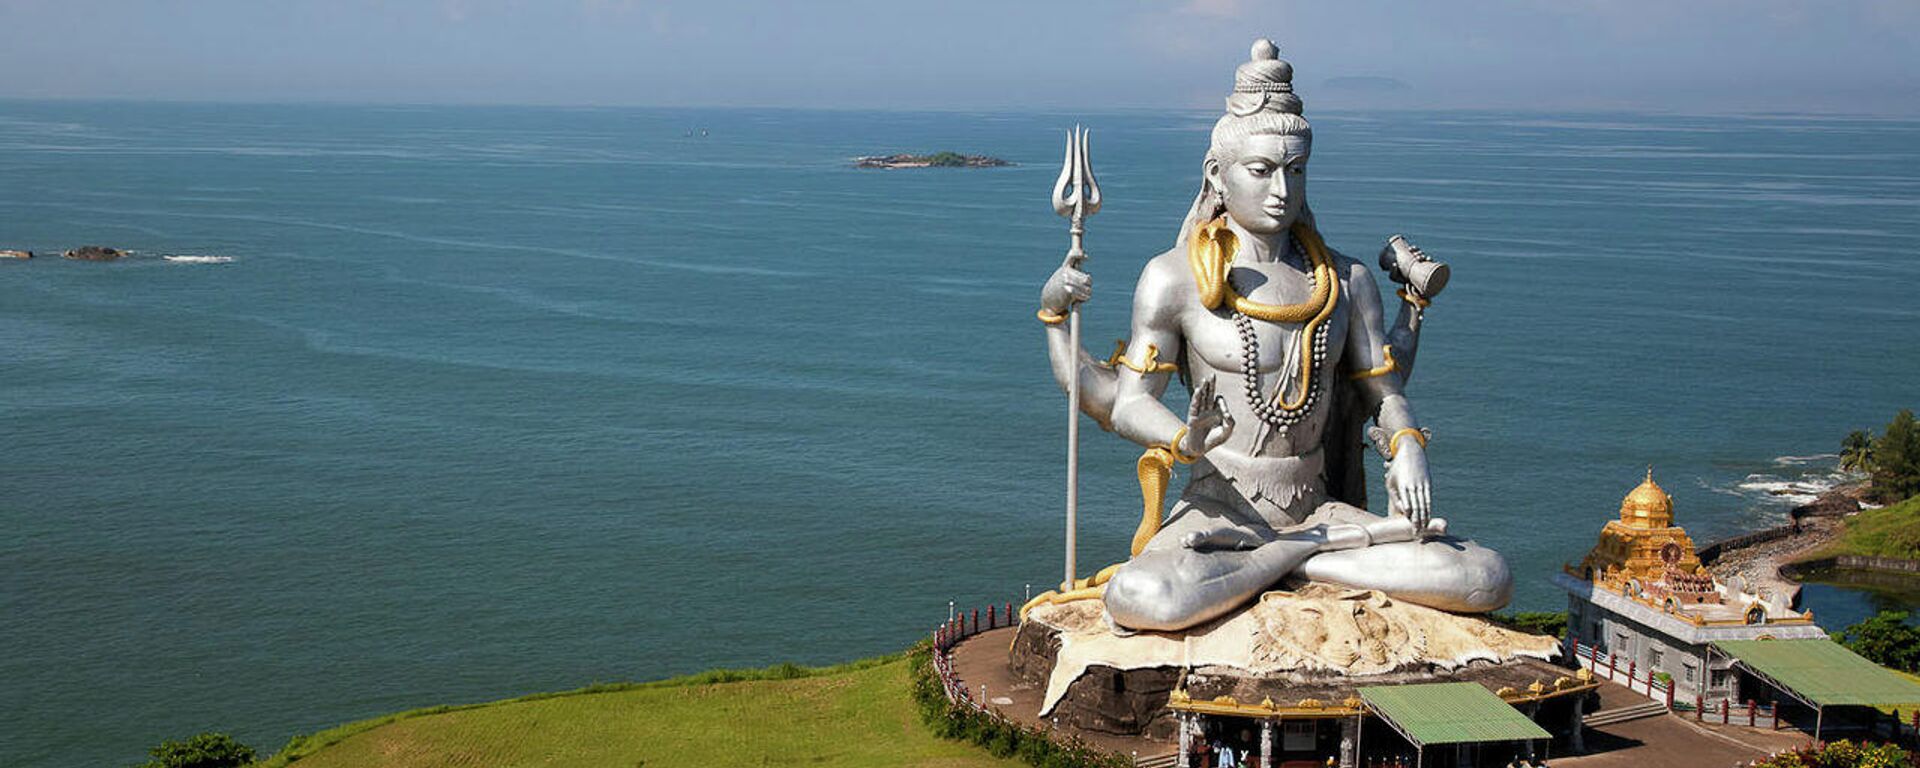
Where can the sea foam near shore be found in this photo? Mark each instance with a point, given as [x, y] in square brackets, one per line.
[1796, 480]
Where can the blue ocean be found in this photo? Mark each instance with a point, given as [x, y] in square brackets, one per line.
[463, 403]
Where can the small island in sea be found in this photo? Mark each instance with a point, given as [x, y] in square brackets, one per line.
[935, 160]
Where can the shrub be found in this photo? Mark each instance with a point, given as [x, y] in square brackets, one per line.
[1553, 623]
[1842, 754]
[206, 750]
[1886, 639]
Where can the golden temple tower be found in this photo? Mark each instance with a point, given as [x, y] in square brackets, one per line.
[1643, 554]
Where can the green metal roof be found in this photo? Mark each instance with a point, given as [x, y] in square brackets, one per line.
[1823, 672]
[1449, 713]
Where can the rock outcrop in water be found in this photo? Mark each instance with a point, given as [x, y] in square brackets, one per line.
[95, 253]
[16, 254]
[935, 160]
[1839, 502]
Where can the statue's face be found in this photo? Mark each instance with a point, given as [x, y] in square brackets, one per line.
[1265, 184]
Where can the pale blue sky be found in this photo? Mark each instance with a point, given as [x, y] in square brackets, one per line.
[1706, 55]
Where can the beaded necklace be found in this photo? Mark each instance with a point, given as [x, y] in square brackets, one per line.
[1279, 411]
[1210, 254]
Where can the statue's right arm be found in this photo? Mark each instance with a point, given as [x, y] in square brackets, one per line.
[1096, 379]
[1069, 286]
[1159, 300]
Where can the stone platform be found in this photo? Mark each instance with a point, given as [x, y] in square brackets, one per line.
[1318, 643]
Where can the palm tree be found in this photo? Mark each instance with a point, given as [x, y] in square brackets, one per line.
[1856, 452]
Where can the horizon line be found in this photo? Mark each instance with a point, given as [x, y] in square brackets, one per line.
[1910, 115]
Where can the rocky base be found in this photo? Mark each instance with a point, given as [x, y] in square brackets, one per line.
[1320, 642]
[1127, 702]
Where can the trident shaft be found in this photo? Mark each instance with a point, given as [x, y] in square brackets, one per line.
[1076, 196]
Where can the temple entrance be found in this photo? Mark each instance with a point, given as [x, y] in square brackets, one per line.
[1289, 742]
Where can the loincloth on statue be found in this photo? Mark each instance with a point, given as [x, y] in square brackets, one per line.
[1282, 493]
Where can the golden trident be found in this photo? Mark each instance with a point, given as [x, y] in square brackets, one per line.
[1076, 196]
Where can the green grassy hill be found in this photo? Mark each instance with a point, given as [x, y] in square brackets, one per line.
[1890, 531]
[860, 714]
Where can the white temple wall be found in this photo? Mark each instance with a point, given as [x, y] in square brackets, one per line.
[1652, 651]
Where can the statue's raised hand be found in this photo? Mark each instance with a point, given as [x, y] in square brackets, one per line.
[1208, 423]
[1068, 286]
[1409, 489]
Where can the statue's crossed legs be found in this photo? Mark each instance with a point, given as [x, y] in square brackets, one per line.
[1209, 559]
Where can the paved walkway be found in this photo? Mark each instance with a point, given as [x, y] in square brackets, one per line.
[1671, 741]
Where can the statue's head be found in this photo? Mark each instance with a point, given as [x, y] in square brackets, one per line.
[1256, 167]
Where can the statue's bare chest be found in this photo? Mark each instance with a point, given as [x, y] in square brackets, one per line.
[1216, 341]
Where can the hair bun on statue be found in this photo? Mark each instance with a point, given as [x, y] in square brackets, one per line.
[1262, 104]
[1264, 83]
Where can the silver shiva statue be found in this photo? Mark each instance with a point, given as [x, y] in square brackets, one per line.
[1284, 348]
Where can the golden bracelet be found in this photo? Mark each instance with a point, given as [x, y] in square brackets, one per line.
[1393, 443]
[1414, 300]
[1050, 318]
[1173, 447]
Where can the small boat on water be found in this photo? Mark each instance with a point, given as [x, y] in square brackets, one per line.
[193, 259]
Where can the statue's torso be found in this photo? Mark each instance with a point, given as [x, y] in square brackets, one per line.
[1278, 473]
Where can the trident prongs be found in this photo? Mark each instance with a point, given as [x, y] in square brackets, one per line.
[1089, 187]
[1066, 189]
[1076, 195]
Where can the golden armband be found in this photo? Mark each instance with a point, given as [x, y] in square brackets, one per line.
[1152, 364]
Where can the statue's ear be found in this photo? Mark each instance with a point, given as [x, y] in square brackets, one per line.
[1211, 171]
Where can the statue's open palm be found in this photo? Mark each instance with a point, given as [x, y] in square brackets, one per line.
[1208, 423]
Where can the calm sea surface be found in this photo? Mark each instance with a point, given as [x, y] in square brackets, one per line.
[491, 401]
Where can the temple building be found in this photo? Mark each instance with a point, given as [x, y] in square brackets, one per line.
[1641, 600]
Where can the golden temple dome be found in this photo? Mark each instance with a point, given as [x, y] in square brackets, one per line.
[1648, 506]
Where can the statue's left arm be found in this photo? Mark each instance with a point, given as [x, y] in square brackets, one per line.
[1370, 364]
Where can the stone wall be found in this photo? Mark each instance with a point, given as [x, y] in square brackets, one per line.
[1712, 552]
[1852, 563]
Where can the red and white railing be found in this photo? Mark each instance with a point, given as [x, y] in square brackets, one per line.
[1626, 672]
[962, 626]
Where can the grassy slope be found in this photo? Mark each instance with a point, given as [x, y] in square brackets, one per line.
[1890, 531]
[858, 716]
